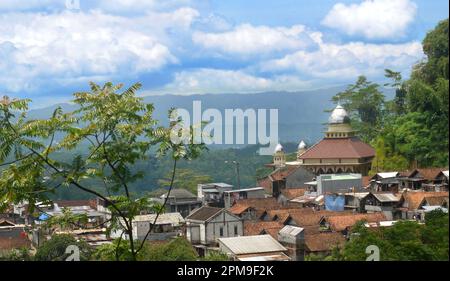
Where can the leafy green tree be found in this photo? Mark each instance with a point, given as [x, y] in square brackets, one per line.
[55, 248]
[364, 102]
[178, 249]
[216, 256]
[118, 130]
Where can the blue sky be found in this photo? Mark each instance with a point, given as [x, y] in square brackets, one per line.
[51, 48]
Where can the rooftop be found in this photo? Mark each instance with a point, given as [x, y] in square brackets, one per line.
[204, 213]
[252, 244]
[339, 148]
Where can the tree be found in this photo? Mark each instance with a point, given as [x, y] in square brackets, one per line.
[364, 102]
[55, 248]
[186, 179]
[118, 129]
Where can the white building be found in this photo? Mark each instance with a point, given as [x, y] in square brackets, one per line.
[206, 224]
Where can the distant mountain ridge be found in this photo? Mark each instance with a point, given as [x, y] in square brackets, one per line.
[301, 115]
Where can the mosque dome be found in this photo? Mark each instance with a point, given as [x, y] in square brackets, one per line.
[339, 116]
[279, 148]
[302, 145]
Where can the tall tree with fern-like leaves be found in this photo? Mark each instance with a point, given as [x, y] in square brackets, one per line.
[119, 130]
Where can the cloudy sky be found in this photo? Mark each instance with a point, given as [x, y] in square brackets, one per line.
[51, 48]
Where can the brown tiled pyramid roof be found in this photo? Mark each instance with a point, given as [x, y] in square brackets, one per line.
[415, 198]
[341, 223]
[339, 148]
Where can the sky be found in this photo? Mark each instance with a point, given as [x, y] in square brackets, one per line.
[52, 48]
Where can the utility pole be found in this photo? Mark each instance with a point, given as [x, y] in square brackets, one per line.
[237, 173]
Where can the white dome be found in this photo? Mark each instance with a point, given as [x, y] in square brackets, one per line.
[279, 148]
[338, 116]
[302, 145]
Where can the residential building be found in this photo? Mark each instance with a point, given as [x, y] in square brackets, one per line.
[230, 197]
[323, 243]
[206, 224]
[293, 239]
[166, 226]
[385, 202]
[211, 194]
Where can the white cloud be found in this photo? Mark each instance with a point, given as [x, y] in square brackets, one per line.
[70, 46]
[349, 60]
[201, 81]
[373, 19]
[247, 39]
[14, 5]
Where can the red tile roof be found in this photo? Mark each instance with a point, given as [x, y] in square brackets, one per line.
[238, 208]
[77, 203]
[413, 199]
[343, 222]
[323, 242]
[428, 173]
[291, 193]
[256, 228]
[339, 148]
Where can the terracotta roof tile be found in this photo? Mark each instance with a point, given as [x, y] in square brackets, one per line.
[261, 203]
[291, 193]
[257, 228]
[413, 199]
[343, 222]
[339, 148]
[238, 208]
[76, 203]
[428, 173]
[322, 242]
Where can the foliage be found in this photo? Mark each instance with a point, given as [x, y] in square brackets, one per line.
[119, 250]
[364, 102]
[186, 179]
[118, 130]
[216, 256]
[55, 248]
[22, 254]
[411, 130]
[178, 249]
[404, 241]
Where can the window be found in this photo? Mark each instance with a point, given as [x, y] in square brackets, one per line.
[235, 230]
[221, 231]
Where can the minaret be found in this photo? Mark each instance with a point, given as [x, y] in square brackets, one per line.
[339, 124]
[301, 149]
[279, 157]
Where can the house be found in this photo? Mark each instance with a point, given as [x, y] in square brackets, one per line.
[211, 194]
[253, 248]
[89, 208]
[230, 197]
[293, 238]
[166, 226]
[323, 243]
[421, 178]
[355, 201]
[412, 203]
[385, 202]
[289, 194]
[12, 237]
[206, 224]
[94, 237]
[180, 201]
[387, 181]
[441, 181]
[244, 211]
[344, 222]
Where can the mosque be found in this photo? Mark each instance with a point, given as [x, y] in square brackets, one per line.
[340, 151]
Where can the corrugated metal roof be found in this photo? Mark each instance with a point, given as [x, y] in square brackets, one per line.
[445, 173]
[386, 197]
[290, 230]
[278, 257]
[388, 175]
[166, 218]
[252, 244]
